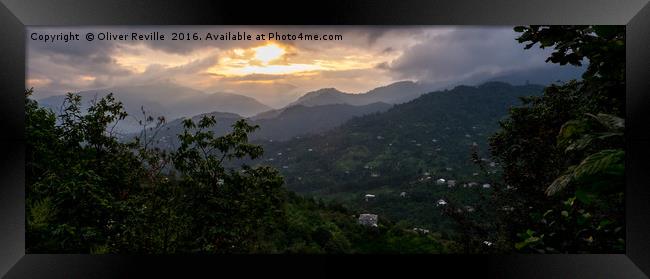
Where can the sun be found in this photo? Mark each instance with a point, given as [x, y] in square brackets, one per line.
[268, 53]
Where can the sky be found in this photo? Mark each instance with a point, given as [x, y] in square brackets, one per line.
[275, 71]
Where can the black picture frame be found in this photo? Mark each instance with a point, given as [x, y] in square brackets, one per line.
[16, 14]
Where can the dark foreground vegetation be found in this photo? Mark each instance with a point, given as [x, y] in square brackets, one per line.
[90, 193]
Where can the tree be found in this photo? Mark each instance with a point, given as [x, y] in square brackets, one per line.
[89, 192]
[78, 175]
[232, 210]
[556, 149]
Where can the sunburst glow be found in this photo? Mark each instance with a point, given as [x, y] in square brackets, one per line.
[268, 53]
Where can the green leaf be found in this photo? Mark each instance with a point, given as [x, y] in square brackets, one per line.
[547, 212]
[584, 196]
[559, 184]
[532, 239]
[580, 144]
[521, 245]
[583, 218]
[569, 202]
[571, 130]
[609, 161]
[611, 122]
[604, 223]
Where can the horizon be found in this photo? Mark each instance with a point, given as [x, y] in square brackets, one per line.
[276, 73]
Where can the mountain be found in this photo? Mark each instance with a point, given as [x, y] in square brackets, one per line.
[404, 149]
[541, 75]
[167, 135]
[300, 120]
[165, 99]
[286, 124]
[394, 93]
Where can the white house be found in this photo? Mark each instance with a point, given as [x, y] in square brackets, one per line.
[369, 196]
[422, 231]
[369, 220]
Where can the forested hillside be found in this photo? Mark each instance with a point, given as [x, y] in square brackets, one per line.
[399, 155]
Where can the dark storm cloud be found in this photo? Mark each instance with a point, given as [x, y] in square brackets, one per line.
[383, 66]
[464, 53]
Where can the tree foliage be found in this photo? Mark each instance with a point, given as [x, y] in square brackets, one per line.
[563, 151]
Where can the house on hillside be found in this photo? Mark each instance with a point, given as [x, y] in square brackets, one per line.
[369, 220]
[420, 230]
[369, 197]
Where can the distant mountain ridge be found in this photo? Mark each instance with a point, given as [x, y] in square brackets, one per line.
[166, 99]
[286, 124]
[300, 120]
[395, 93]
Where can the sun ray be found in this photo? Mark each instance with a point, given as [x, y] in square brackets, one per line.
[268, 53]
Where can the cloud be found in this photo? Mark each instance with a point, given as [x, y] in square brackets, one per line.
[367, 57]
[464, 53]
